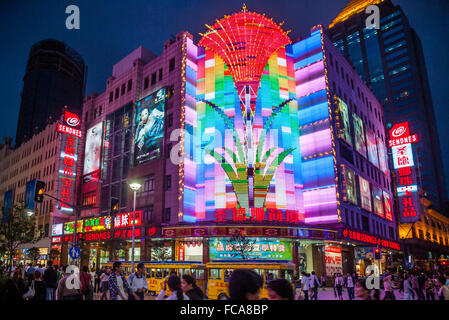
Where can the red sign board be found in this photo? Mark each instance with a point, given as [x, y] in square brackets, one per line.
[260, 214]
[72, 120]
[124, 220]
[56, 239]
[400, 134]
[68, 130]
[363, 237]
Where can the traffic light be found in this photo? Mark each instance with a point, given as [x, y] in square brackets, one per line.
[377, 254]
[114, 205]
[39, 191]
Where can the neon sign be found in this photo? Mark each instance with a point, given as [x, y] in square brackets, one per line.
[260, 214]
[363, 237]
[400, 134]
[97, 224]
[124, 220]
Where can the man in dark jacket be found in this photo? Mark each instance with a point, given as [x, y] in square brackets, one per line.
[51, 280]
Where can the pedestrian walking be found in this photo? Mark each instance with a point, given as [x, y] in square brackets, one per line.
[408, 290]
[15, 286]
[97, 281]
[429, 288]
[174, 284]
[51, 281]
[245, 284]
[305, 285]
[117, 283]
[39, 286]
[314, 284]
[388, 289]
[323, 282]
[280, 289]
[333, 284]
[104, 283]
[189, 287]
[443, 291]
[361, 291]
[350, 283]
[66, 287]
[86, 284]
[338, 284]
[137, 283]
[446, 276]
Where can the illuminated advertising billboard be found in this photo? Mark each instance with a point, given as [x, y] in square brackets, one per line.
[149, 127]
[359, 135]
[365, 194]
[57, 229]
[344, 126]
[92, 154]
[402, 156]
[378, 203]
[71, 125]
[387, 206]
[400, 134]
[69, 227]
[349, 185]
[256, 249]
[286, 166]
[97, 224]
[383, 156]
[372, 148]
[124, 220]
[333, 260]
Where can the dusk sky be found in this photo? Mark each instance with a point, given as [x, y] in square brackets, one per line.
[110, 29]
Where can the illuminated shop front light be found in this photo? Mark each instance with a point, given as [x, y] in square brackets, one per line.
[64, 155]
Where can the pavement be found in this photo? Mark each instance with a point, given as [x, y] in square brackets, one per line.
[323, 294]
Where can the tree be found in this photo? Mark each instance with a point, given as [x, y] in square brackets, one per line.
[33, 253]
[18, 229]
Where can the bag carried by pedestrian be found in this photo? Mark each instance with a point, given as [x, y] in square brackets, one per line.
[30, 293]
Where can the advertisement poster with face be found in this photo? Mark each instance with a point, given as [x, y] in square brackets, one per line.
[365, 194]
[344, 129]
[359, 135]
[92, 154]
[378, 204]
[372, 148]
[350, 189]
[149, 127]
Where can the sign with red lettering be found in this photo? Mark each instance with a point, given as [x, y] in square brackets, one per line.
[259, 214]
[400, 134]
[366, 238]
[332, 260]
[124, 220]
[56, 239]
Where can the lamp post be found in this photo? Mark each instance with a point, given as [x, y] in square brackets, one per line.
[135, 186]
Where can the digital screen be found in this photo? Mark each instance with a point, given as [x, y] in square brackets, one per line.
[388, 207]
[359, 135]
[350, 186]
[365, 194]
[372, 148]
[378, 203]
[256, 248]
[92, 154]
[149, 127]
[344, 126]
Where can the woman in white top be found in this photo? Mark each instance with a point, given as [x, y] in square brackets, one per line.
[174, 283]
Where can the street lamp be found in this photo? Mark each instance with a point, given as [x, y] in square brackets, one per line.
[135, 186]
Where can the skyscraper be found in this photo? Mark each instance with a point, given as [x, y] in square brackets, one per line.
[390, 60]
[54, 78]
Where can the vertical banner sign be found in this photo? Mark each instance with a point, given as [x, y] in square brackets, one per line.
[333, 260]
[401, 145]
[344, 127]
[388, 207]
[365, 194]
[67, 163]
[349, 185]
[29, 194]
[92, 154]
[7, 205]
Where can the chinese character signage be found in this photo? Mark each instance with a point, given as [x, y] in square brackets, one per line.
[69, 227]
[97, 224]
[71, 125]
[57, 229]
[366, 238]
[365, 194]
[406, 180]
[344, 127]
[332, 260]
[92, 154]
[256, 249]
[67, 166]
[349, 185]
[258, 214]
[124, 220]
[149, 127]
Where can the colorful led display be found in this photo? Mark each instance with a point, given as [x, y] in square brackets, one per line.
[92, 153]
[371, 143]
[256, 249]
[378, 203]
[344, 126]
[359, 135]
[69, 227]
[365, 194]
[97, 224]
[149, 127]
[349, 185]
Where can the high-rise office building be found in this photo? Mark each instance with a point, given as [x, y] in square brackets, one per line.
[390, 60]
[54, 78]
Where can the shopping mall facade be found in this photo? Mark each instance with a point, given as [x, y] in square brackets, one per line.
[255, 141]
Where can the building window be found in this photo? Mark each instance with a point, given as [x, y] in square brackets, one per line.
[168, 182]
[421, 234]
[123, 89]
[148, 214]
[145, 83]
[168, 147]
[365, 223]
[428, 237]
[130, 85]
[153, 78]
[160, 74]
[171, 65]
[170, 92]
[166, 216]
[116, 93]
[147, 186]
[111, 96]
[47, 228]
